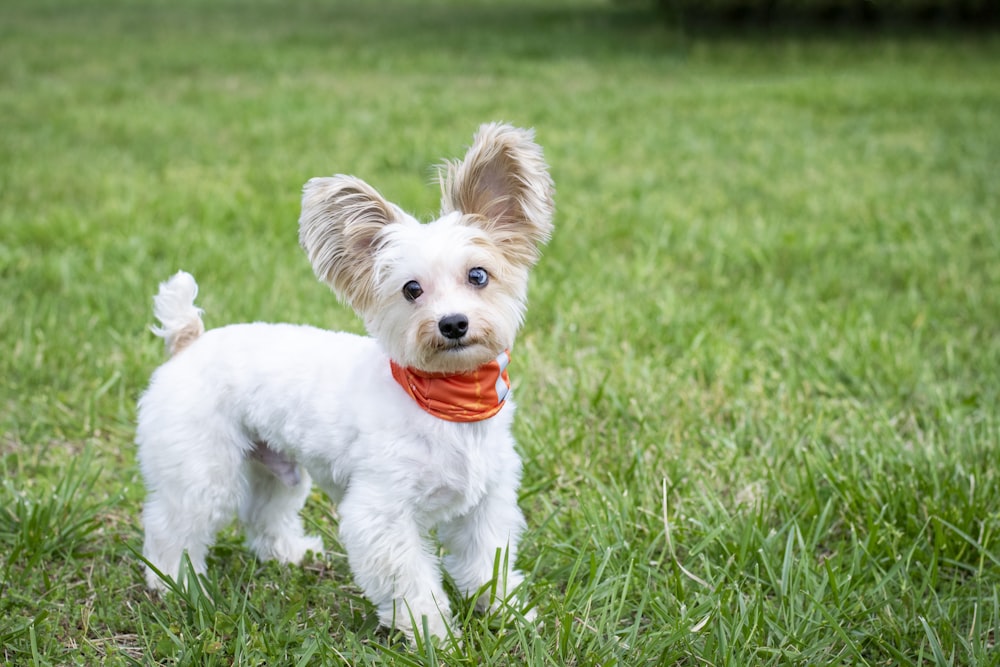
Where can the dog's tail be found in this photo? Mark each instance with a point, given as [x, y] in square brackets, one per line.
[174, 307]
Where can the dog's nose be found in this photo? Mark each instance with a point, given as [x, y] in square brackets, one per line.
[453, 326]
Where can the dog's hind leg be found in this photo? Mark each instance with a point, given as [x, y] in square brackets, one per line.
[179, 521]
[277, 490]
[192, 471]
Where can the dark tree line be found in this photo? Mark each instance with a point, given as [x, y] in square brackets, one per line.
[873, 12]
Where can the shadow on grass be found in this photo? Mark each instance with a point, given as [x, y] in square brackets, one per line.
[467, 34]
[649, 27]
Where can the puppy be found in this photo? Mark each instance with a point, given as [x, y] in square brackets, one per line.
[408, 431]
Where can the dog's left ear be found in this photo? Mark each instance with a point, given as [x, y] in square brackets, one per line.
[340, 229]
[503, 186]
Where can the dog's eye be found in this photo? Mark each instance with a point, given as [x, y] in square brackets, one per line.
[412, 290]
[478, 277]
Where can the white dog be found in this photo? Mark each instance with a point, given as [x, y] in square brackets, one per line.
[407, 431]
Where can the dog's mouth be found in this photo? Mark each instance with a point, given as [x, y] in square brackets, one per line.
[440, 343]
[436, 353]
[452, 356]
[456, 349]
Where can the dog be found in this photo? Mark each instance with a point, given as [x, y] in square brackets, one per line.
[407, 430]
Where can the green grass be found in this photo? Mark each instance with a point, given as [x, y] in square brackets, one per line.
[759, 380]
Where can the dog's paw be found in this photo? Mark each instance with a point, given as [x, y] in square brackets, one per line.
[155, 583]
[508, 594]
[311, 543]
[435, 624]
[513, 605]
[286, 549]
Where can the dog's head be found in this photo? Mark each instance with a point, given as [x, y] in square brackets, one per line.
[449, 295]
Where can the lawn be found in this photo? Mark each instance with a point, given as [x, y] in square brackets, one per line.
[759, 380]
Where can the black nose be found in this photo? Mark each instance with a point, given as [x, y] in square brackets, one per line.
[453, 326]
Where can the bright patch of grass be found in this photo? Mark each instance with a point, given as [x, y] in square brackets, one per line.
[759, 381]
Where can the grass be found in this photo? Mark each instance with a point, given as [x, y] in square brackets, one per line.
[759, 380]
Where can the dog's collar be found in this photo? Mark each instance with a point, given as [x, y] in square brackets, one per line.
[464, 397]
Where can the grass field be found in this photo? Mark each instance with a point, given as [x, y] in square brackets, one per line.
[759, 380]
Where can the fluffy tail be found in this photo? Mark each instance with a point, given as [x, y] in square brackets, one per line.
[174, 307]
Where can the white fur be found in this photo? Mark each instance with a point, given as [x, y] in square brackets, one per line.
[174, 307]
[243, 418]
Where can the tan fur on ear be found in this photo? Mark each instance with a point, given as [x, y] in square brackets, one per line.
[503, 186]
[341, 222]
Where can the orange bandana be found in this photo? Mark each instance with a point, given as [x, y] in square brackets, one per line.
[465, 397]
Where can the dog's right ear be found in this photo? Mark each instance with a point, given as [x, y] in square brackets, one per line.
[340, 228]
[503, 187]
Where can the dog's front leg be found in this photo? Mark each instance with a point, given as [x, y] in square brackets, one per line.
[482, 544]
[389, 558]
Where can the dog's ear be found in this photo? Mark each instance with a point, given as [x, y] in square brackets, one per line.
[503, 186]
[340, 227]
